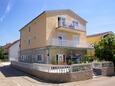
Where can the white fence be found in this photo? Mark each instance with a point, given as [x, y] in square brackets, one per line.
[54, 68]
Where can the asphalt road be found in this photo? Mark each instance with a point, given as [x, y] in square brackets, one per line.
[12, 77]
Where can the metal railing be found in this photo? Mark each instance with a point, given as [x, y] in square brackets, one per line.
[68, 43]
[71, 26]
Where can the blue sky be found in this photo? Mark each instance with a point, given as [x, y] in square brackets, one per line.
[14, 14]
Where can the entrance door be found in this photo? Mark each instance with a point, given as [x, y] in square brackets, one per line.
[61, 39]
[60, 58]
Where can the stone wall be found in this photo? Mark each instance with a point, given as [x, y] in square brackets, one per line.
[103, 68]
[55, 77]
[108, 71]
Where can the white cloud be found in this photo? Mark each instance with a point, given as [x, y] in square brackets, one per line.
[7, 10]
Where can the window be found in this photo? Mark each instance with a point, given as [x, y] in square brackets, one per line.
[76, 40]
[39, 57]
[21, 58]
[75, 24]
[29, 41]
[60, 37]
[61, 21]
[29, 29]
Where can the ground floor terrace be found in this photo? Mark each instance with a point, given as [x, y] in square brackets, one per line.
[53, 55]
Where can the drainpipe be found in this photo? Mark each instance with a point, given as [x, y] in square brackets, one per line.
[48, 56]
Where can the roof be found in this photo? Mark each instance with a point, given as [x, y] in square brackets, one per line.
[7, 46]
[52, 11]
[14, 43]
[100, 34]
[66, 10]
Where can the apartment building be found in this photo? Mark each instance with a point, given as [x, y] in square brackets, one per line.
[54, 37]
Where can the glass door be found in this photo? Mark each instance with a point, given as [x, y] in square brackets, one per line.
[76, 40]
[61, 39]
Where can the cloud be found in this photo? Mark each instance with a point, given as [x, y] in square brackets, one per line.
[7, 10]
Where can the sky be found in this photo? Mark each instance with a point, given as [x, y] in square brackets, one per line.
[14, 14]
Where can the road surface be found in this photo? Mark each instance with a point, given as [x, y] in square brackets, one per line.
[13, 77]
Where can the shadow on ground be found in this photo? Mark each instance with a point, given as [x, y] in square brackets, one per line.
[9, 71]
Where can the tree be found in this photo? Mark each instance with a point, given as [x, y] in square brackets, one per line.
[1, 53]
[105, 49]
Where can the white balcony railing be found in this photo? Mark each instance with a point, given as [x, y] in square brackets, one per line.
[68, 43]
[71, 26]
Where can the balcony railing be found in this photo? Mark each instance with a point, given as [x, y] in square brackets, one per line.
[70, 26]
[68, 43]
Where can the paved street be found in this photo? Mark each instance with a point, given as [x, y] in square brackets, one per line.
[13, 77]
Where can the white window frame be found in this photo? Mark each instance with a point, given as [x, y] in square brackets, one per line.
[78, 40]
[61, 42]
[75, 27]
[62, 35]
[41, 57]
[60, 58]
[61, 16]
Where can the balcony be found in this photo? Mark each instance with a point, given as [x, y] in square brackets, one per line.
[70, 27]
[68, 43]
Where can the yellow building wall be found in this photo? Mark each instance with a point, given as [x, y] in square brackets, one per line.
[52, 24]
[94, 39]
[37, 34]
[44, 27]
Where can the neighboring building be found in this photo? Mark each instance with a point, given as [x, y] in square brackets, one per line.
[95, 38]
[14, 51]
[54, 37]
[6, 48]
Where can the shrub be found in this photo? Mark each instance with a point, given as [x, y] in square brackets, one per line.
[1, 53]
[87, 58]
[105, 49]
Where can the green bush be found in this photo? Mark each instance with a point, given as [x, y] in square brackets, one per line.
[1, 53]
[86, 59]
[105, 49]
[69, 62]
[53, 61]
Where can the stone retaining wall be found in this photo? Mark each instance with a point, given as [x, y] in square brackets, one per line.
[103, 68]
[108, 71]
[56, 77]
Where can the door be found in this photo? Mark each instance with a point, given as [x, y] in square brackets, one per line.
[60, 59]
[61, 39]
[76, 40]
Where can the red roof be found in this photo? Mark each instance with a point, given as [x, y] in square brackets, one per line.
[100, 34]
